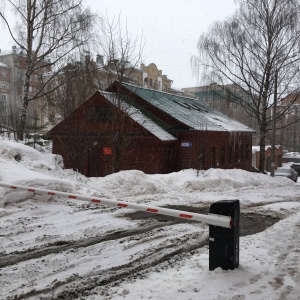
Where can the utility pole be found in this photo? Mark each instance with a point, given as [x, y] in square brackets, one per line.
[274, 126]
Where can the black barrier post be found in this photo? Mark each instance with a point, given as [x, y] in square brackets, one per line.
[224, 242]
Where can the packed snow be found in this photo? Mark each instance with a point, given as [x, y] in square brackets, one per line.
[56, 248]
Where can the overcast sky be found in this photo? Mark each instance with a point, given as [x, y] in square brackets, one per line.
[170, 30]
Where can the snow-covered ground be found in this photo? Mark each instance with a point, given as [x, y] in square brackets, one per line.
[53, 248]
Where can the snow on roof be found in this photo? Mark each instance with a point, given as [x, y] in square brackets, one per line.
[257, 148]
[12, 50]
[189, 111]
[6, 52]
[3, 65]
[140, 118]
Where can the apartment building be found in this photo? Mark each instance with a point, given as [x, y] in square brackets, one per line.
[228, 100]
[12, 74]
[4, 90]
[287, 132]
[145, 76]
[153, 78]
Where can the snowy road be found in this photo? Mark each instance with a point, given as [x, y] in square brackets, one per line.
[91, 260]
[69, 268]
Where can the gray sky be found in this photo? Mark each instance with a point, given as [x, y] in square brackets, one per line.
[170, 30]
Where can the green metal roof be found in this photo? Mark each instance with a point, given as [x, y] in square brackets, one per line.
[140, 118]
[193, 113]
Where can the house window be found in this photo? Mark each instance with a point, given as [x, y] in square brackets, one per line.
[230, 154]
[242, 153]
[3, 86]
[247, 152]
[236, 153]
[3, 97]
[51, 118]
[101, 85]
[222, 155]
[169, 154]
[146, 82]
[202, 157]
[4, 74]
[99, 113]
[213, 156]
[3, 108]
[268, 164]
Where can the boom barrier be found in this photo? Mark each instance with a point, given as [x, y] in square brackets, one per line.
[212, 219]
[224, 247]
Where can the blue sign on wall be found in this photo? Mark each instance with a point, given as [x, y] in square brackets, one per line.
[186, 144]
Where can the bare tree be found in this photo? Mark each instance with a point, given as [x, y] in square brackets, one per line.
[48, 32]
[117, 58]
[123, 54]
[256, 50]
[76, 83]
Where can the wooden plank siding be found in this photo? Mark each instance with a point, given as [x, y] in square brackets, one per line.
[215, 150]
[81, 144]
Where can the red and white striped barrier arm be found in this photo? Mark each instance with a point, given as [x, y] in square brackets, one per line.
[211, 219]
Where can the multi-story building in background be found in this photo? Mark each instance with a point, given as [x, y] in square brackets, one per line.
[146, 76]
[229, 100]
[84, 77]
[4, 91]
[153, 78]
[12, 74]
[287, 132]
[101, 75]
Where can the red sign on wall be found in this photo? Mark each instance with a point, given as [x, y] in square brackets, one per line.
[107, 151]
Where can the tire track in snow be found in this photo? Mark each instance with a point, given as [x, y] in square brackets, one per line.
[135, 259]
[76, 285]
[59, 246]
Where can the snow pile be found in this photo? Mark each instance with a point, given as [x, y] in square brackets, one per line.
[23, 165]
[136, 183]
[29, 157]
[222, 180]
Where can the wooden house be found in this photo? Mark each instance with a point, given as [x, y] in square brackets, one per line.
[130, 127]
